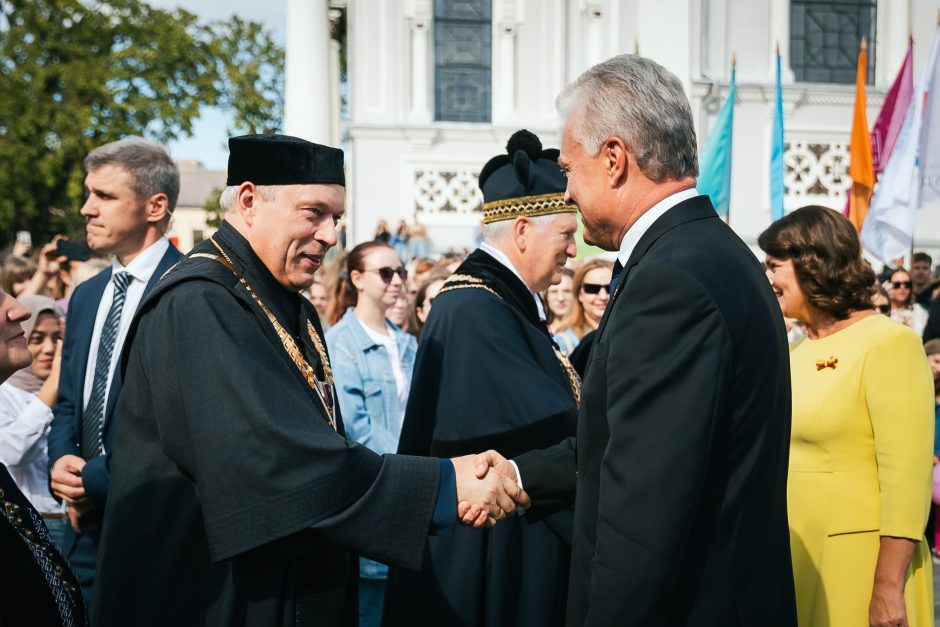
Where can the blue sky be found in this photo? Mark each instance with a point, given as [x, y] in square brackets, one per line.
[208, 143]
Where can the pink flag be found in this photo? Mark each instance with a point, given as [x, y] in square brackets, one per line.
[884, 132]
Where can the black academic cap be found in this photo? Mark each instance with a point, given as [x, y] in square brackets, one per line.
[282, 160]
[526, 181]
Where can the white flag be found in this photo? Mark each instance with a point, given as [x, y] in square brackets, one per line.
[912, 174]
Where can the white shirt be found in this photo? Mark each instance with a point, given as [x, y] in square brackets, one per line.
[141, 270]
[632, 237]
[402, 385]
[501, 257]
[24, 431]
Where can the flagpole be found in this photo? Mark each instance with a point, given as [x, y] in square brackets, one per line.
[733, 64]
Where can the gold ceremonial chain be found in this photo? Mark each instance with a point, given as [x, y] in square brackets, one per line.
[324, 390]
[466, 281]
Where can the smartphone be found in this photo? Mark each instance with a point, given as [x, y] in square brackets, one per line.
[75, 251]
[24, 237]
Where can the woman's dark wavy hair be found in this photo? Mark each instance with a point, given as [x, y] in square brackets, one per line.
[827, 259]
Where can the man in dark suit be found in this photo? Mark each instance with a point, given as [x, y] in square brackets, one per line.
[132, 188]
[680, 461]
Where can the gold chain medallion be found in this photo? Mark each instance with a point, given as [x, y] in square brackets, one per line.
[324, 390]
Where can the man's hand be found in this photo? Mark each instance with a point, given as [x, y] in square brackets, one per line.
[66, 481]
[81, 522]
[485, 498]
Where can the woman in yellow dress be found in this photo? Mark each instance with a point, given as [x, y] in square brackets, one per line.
[860, 472]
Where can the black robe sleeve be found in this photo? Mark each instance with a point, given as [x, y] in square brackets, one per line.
[238, 421]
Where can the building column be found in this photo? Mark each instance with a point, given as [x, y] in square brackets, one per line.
[504, 88]
[594, 14]
[780, 34]
[420, 62]
[307, 113]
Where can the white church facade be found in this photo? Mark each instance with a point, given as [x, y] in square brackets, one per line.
[436, 87]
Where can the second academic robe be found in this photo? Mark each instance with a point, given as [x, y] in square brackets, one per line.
[486, 376]
[233, 502]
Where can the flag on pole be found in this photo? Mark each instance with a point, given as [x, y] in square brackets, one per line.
[912, 173]
[884, 133]
[861, 166]
[776, 151]
[714, 178]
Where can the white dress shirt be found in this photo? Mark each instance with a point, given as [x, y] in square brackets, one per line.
[632, 237]
[141, 269]
[24, 431]
[501, 257]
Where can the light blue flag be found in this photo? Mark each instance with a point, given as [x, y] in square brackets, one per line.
[776, 153]
[714, 177]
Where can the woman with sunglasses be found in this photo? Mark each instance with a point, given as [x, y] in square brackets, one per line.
[903, 307]
[372, 362]
[591, 287]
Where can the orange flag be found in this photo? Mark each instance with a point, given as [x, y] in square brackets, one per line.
[861, 164]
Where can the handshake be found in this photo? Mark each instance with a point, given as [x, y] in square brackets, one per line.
[487, 489]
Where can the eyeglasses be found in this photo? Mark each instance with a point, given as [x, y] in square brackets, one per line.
[594, 288]
[899, 284]
[387, 273]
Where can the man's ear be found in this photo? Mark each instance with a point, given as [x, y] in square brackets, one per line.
[616, 159]
[245, 198]
[157, 208]
[521, 227]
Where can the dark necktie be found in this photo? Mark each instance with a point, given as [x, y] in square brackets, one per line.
[93, 418]
[618, 268]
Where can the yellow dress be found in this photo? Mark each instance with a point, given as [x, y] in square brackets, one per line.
[861, 453]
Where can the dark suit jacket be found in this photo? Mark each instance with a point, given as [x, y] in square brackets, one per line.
[66, 433]
[682, 444]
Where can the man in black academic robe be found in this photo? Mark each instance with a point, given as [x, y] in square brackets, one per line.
[489, 376]
[235, 498]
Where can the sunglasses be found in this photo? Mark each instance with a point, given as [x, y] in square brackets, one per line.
[387, 273]
[899, 284]
[594, 288]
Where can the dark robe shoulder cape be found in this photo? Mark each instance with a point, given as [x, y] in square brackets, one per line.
[486, 376]
[232, 501]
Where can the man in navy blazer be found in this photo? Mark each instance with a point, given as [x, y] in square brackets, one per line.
[132, 188]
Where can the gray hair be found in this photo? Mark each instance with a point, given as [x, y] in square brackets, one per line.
[495, 232]
[642, 103]
[227, 197]
[148, 162]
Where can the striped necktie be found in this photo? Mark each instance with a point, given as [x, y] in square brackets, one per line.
[93, 418]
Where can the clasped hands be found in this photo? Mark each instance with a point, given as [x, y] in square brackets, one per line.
[487, 489]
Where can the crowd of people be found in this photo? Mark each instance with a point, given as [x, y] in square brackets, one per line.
[276, 439]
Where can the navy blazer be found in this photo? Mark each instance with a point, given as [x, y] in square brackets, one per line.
[66, 432]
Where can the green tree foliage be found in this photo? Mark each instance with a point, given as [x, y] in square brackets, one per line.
[75, 74]
[213, 208]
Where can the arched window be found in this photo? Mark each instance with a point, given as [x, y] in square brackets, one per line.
[824, 39]
[462, 60]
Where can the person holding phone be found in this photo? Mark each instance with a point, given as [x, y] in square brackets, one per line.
[26, 402]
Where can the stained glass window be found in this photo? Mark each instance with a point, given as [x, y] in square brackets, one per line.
[824, 39]
[463, 60]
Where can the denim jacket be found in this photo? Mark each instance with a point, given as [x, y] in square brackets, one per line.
[367, 395]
